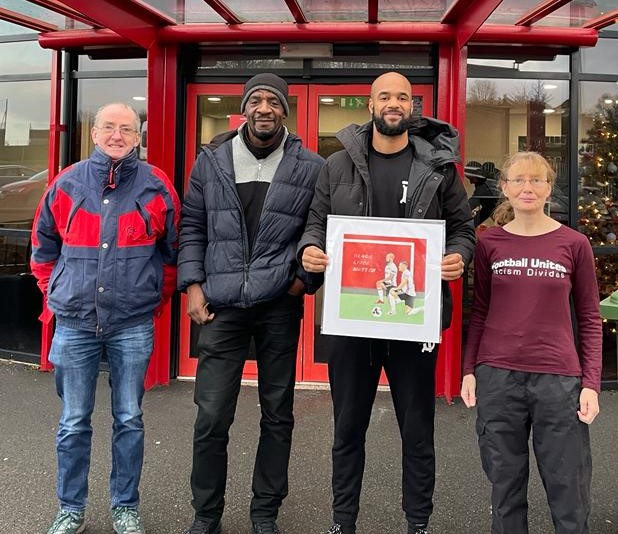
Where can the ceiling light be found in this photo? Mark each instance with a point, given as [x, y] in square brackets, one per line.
[547, 111]
[139, 98]
[608, 101]
[550, 86]
[214, 99]
[327, 100]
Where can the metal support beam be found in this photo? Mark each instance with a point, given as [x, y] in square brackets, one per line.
[224, 12]
[468, 16]
[297, 11]
[372, 11]
[133, 19]
[28, 22]
[603, 21]
[61, 9]
[542, 10]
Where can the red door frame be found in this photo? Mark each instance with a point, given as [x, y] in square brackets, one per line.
[312, 370]
[186, 364]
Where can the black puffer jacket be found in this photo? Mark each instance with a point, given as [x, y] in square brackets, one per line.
[214, 248]
[435, 190]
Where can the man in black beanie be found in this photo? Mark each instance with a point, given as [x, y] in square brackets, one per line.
[245, 209]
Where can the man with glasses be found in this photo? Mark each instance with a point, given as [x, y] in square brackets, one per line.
[104, 248]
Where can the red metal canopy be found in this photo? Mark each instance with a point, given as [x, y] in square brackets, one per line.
[568, 23]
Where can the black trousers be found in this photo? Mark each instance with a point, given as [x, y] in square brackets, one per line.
[354, 371]
[223, 348]
[510, 405]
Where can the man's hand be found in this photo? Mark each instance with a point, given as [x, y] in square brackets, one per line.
[197, 307]
[468, 390]
[588, 405]
[314, 260]
[452, 266]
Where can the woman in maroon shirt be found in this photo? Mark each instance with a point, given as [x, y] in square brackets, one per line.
[522, 367]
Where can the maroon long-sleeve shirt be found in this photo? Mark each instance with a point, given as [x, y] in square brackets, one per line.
[521, 317]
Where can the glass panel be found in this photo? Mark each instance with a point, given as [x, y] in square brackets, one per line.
[92, 94]
[329, 10]
[559, 64]
[24, 58]
[244, 65]
[263, 11]
[200, 11]
[24, 135]
[37, 12]
[595, 60]
[87, 64]
[412, 10]
[573, 14]
[7, 28]
[598, 163]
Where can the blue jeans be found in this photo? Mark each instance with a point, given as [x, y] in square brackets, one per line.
[76, 355]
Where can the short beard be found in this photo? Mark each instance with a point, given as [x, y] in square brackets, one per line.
[262, 135]
[385, 129]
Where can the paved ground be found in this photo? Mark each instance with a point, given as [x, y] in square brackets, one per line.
[27, 464]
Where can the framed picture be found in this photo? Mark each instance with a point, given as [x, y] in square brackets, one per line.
[383, 279]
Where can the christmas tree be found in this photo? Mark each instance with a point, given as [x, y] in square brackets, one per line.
[597, 203]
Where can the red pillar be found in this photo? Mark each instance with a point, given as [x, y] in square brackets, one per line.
[161, 107]
[452, 73]
[53, 162]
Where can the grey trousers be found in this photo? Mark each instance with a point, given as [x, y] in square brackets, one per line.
[510, 405]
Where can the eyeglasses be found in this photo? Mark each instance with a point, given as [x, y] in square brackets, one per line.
[108, 129]
[536, 183]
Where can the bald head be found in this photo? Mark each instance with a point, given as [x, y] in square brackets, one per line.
[390, 80]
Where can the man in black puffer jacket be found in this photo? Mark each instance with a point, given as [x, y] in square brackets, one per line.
[242, 217]
[392, 166]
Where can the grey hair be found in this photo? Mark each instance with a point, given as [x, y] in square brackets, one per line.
[97, 117]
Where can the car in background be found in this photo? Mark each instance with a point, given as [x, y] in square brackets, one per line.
[19, 200]
[13, 173]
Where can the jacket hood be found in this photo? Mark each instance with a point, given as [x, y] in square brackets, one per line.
[435, 141]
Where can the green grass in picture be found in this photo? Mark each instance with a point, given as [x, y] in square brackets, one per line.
[359, 306]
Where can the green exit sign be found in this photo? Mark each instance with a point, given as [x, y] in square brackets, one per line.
[353, 102]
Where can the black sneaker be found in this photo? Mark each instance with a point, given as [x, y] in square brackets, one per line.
[417, 528]
[202, 526]
[340, 529]
[265, 527]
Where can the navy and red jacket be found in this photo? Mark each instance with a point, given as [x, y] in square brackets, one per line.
[105, 242]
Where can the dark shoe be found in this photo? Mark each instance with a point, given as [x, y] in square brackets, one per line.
[417, 528]
[265, 527]
[340, 529]
[201, 526]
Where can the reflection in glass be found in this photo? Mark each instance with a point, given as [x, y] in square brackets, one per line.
[24, 58]
[598, 164]
[524, 115]
[594, 59]
[87, 64]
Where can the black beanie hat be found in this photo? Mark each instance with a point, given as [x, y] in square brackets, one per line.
[268, 82]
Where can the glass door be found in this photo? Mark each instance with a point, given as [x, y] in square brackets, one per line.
[213, 109]
[331, 108]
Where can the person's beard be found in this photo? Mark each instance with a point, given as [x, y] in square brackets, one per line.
[397, 129]
[263, 135]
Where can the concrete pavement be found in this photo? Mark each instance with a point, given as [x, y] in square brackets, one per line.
[28, 423]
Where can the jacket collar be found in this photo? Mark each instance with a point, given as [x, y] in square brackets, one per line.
[105, 167]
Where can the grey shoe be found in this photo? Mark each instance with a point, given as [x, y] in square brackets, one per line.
[126, 520]
[201, 526]
[265, 527]
[68, 523]
[340, 529]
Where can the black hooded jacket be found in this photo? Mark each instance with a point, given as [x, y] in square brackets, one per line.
[435, 190]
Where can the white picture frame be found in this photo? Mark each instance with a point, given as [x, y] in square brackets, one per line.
[361, 251]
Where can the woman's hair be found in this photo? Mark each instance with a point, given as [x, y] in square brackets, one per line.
[504, 211]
